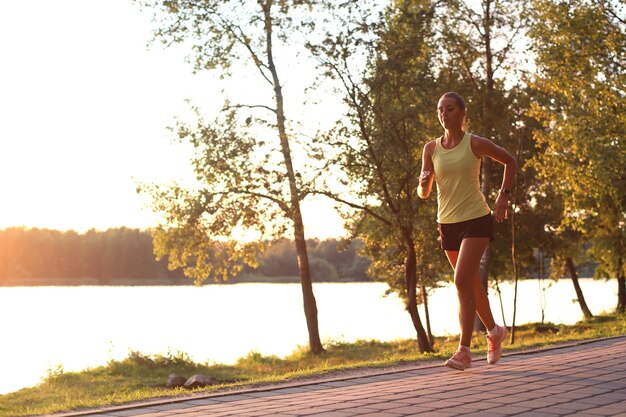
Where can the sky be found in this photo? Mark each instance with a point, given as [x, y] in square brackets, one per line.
[84, 108]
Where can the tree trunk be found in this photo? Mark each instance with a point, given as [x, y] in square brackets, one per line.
[310, 305]
[486, 167]
[411, 287]
[515, 274]
[569, 263]
[484, 280]
[542, 285]
[501, 303]
[431, 340]
[621, 288]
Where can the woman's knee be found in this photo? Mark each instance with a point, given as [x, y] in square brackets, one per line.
[463, 284]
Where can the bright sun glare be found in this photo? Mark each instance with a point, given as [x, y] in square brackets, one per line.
[85, 109]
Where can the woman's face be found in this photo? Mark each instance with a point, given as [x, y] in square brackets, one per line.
[450, 114]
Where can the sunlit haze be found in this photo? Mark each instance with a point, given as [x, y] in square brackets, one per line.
[84, 111]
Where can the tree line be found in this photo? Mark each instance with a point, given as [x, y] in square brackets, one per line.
[546, 79]
[124, 256]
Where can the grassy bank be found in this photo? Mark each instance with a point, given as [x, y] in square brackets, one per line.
[141, 377]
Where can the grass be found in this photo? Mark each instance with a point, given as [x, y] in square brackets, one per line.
[140, 377]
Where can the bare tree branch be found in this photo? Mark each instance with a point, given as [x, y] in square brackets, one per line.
[249, 106]
[615, 15]
[472, 22]
[243, 39]
[357, 206]
[466, 66]
[501, 54]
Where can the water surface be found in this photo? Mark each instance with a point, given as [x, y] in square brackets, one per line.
[81, 327]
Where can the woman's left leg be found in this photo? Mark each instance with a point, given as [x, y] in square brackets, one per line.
[472, 296]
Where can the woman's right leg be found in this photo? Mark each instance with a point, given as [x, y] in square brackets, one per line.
[467, 302]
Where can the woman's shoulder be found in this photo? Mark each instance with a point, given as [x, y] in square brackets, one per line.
[432, 144]
[478, 142]
[479, 145]
[477, 139]
[429, 148]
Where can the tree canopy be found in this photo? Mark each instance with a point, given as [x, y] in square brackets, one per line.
[580, 89]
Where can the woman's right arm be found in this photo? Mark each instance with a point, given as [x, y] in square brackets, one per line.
[428, 174]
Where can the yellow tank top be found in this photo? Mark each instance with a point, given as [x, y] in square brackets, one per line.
[457, 173]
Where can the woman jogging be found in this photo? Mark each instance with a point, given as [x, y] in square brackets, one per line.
[464, 217]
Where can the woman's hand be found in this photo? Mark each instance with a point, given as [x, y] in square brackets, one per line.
[502, 207]
[427, 173]
[424, 176]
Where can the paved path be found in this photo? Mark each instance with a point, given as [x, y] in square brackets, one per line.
[585, 379]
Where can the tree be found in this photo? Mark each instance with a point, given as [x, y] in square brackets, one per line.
[244, 181]
[343, 256]
[581, 85]
[479, 52]
[535, 204]
[561, 243]
[382, 63]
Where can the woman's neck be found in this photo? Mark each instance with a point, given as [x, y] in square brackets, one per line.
[453, 136]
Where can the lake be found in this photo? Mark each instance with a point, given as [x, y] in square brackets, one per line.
[81, 327]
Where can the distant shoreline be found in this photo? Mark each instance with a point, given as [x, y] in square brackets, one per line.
[94, 282]
[247, 279]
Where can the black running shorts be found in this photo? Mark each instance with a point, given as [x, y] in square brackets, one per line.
[452, 234]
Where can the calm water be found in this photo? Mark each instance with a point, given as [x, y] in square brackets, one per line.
[81, 327]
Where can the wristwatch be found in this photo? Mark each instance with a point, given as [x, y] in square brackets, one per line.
[507, 193]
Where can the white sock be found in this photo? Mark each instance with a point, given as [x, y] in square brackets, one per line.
[494, 331]
[464, 348]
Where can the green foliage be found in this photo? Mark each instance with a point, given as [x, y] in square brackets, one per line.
[236, 191]
[481, 42]
[390, 117]
[580, 90]
[581, 86]
[201, 257]
[537, 207]
[329, 260]
[245, 182]
[481, 57]
[263, 364]
[223, 32]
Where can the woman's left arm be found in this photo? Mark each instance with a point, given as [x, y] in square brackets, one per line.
[485, 147]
